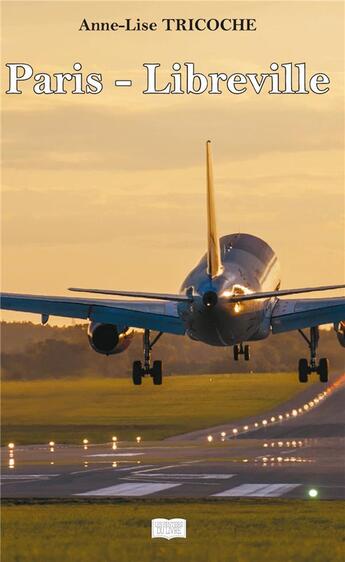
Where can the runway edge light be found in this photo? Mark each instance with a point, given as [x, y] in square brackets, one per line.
[313, 493]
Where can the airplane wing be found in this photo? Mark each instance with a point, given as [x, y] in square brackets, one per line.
[296, 314]
[161, 316]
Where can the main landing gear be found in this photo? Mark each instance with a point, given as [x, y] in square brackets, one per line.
[155, 371]
[305, 368]
[241, 350]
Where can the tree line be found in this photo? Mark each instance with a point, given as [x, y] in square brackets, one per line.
[30, 351]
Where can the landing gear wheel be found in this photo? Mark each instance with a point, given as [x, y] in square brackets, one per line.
[323, 369]
[137, 373]
[303, 370]
[246, 353]
[157, 372]
[236, 352]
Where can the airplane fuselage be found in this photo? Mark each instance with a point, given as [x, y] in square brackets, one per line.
[248, 265]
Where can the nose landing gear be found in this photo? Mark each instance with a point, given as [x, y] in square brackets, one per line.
[154, 371]
[305, 368]
[241, 350]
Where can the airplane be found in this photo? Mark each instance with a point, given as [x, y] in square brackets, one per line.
[231, 297]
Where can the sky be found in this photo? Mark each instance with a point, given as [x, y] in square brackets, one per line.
[108, 190]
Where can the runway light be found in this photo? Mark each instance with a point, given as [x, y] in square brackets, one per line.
[51, 449]
[51, 443]
[209, 438]
[114, 438]
[294, 413]
[114, 446]
[280, 443]
[85, 441]
[11, 463]
[244, 460]
[138, 439]
[273, 419]
[265, 444]
[256, 424]
[300, 410]
[223, 434]
[279, 459]
[245, 427]
[114, 464]
[287, 415]
[280, 417]
[235, 431]
[11, 445]
[264, 422]
[312, 493]
[306, 407]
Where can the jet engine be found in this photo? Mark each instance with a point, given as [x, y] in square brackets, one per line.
[108, 339]
[340, 331]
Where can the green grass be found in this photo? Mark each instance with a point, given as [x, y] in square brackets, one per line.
[230, 531]
[68, 410]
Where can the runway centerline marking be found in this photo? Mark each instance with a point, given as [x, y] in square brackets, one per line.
[115, 455]
[113, 468]
[131, 489]
[159, 468]
[258, 490]
[187, 476]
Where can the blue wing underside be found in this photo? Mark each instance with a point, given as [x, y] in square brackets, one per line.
[147, 315]
[297, 314]
[287, 315]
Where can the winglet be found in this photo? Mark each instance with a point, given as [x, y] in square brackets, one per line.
[214, 263]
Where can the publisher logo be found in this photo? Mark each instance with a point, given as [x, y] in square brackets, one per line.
[168, 528]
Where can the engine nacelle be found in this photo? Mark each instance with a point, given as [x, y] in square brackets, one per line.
[340, 331]
[107, 339]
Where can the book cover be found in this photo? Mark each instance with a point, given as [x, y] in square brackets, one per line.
[173, 310]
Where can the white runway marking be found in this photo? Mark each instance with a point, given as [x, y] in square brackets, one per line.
[115, 455]
[159, 468]
[22, 478]
[186, 476]
[258, 490]
[130, 489]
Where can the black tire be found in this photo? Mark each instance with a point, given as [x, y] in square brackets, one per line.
[157, 375]
[246, 353]
[303, 370]
[137, 374]
[236, 352]
[323, 369]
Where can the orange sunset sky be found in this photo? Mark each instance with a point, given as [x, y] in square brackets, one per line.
[108, 190]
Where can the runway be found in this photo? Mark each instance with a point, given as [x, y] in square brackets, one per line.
[291, 452]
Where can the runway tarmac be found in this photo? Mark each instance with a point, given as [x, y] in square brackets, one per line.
[293, 451]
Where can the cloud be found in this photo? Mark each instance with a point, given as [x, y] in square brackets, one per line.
[75, 137]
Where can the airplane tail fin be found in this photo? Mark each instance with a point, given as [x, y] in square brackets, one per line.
[214, 263]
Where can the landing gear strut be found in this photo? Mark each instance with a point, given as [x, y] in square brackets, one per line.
[305, 368]
[154, 371]
[241, 350]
